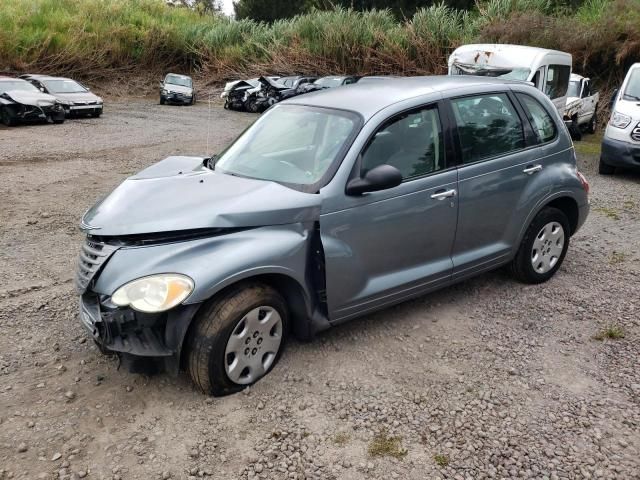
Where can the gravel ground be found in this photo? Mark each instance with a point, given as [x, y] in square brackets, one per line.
[487, 379]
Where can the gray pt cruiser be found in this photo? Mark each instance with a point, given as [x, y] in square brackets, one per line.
[330, 206]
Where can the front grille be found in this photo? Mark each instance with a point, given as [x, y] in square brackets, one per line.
[635, 133]
[92, 256]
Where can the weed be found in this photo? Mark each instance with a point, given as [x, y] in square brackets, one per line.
[441, 460]
[611, 213]
[383, 445]
[341, 439]
[611, 332]
[617, 258]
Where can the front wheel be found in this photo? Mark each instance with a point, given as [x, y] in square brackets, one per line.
[7, 117]
[237, 338]
[162, 100]
[543, 247]
[605, 168]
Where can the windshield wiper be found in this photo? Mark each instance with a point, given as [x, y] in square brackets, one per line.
[210, 162]
[632, 97]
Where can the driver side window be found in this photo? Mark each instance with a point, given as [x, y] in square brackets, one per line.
[412, 142]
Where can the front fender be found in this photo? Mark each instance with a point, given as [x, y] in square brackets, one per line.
[216, 262]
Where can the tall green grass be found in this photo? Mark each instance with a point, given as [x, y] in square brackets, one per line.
[93, 38]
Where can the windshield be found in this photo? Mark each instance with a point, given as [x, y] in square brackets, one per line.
[507, 73]
[290, 144]
[178, 80]
[64, 86]
[574, 89]
[329, 82]
[632, 90]
[7, 86]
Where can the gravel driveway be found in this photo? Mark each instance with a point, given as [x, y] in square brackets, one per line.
[487, 379]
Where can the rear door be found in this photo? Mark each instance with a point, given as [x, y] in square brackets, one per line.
[385, 246]
[495, 168]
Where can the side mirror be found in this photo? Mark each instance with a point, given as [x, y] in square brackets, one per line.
[381, 177]
[41, 89]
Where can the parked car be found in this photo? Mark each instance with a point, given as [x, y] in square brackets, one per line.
[177, 88]
[76, 98]
[20, 101]
[621, 141]
[235, 93]
[330, 206]
[271, 92]
[296, 81]
[582, 104]
[548, 70]
[329, 82]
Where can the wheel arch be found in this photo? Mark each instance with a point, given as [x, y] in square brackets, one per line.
[563, 201]
[304, 320]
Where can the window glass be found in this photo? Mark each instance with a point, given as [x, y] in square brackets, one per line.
[557, 80]
[542, 123]
[412, 142]
[632, 90]
[488, 125]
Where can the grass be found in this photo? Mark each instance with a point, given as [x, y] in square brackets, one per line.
[441, 460]
[383, 445]
[341, 439]
[103, 38]
[611, 332]
[611, 213]
[617, 258]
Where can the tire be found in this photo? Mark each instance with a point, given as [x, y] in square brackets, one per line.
[593, 123]
[605, 168]
[574, 129]
[193, 100]
[251, 105]
[162, 101]
[532, 266]
[210, 345]
[58, 120]
[96, 114]
[6, 117]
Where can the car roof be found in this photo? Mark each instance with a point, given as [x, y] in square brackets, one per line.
[43, 77]
[12, 79]
[178, 75]
[370, 97]
[575, 77]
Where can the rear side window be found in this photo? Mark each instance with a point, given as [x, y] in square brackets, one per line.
[543, 125]
[412, 142]
[557, 81]
[488, 125]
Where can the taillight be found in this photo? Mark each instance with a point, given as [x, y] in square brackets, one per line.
[584, 182]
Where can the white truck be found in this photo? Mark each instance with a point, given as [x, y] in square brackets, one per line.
[547, 70]
[582, 104]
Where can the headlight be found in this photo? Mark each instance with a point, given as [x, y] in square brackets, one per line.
[155, 293]
[619, 120]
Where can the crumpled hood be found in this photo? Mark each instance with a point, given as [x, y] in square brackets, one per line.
[180, 193]
[170, 87]
[572, 106]
[77, 97]
[37, 99]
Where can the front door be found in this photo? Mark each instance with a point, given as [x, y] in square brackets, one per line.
[385, 246]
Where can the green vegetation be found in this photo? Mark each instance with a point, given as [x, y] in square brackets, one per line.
[441, 460]
[611, 213]
[612, 332]
[383, 445]
[617, 258]
[103, 38]
[341, 439]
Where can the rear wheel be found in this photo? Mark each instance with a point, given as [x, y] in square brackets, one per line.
[7, 117]
[543, 247]
[237, 339]
[605, 168]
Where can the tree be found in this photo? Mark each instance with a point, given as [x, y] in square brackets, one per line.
[269, 11]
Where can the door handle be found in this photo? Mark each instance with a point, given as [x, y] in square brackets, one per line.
[442, 194]
[531, 169]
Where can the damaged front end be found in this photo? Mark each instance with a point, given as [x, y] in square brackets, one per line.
[16, 110]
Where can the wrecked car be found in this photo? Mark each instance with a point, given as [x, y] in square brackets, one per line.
[20, 101]
[270, 92]
[177, 89]
[582, 104]
[76, 98]
[621, 140]
[328, 82]
[235, 93]
[332, 205]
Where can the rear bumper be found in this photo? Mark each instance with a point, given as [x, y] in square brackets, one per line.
[174, 98]
[620, 154]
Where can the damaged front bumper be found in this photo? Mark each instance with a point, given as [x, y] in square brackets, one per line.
[126, 331]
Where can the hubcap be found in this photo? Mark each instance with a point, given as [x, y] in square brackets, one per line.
[253, 345]
[547, 247]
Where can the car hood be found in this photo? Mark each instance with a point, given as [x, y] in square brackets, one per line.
[628, 107]
[170, 87]
[77, 97]
[37, 99]
[180, 193]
